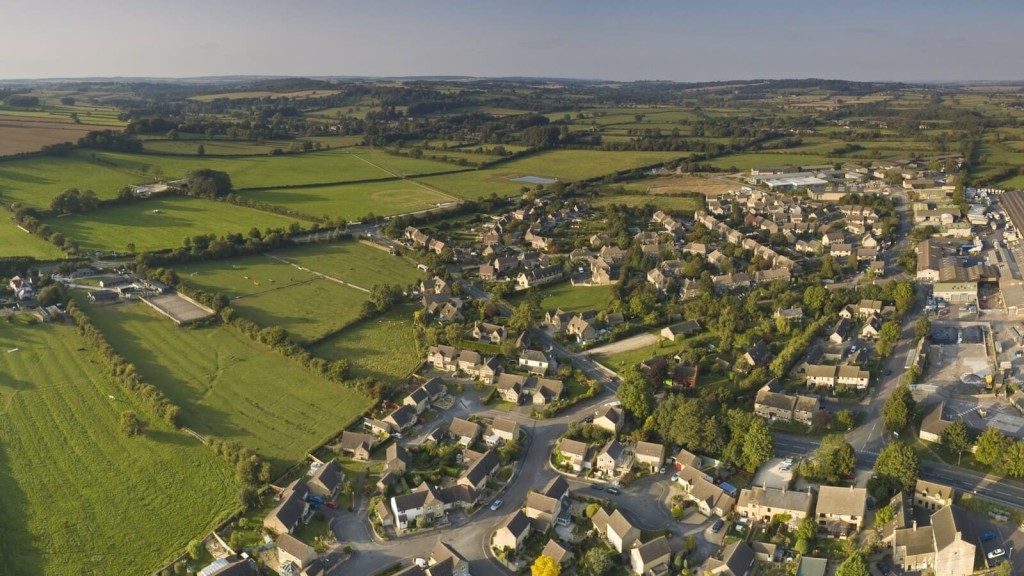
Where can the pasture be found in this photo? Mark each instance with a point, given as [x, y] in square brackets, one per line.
[79, 496]
[188, 145]
[16, 242]
[355, 263]
[35, 181]
[666, 202]
[381, 348]
[263, 94]
[230, 387]
[354, 201]
[160, 223]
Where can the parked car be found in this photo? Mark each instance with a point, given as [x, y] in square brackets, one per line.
[675, 477]
[614, 491]
[597, 487]
[496, 504]
[663, 470]
[717, 526]
[991, 534]
[996, 553]
[396, 436]
[332, 504]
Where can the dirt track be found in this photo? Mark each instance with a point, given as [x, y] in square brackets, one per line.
[631, 343]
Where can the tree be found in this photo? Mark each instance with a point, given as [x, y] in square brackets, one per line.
[899, 409]
[207, 183]
[545, 566]
[815, 298]
[844, 420]
[53, 294]
[887, 337]
[1013, 459]
[834, 459]
[992, 444]
[854, 565]
[130, 423]
[598, 561]
[899, 464]
[592, 509]
[922, 328]
[194, 549]
[807, 529]
[903, 296]
[200, 150]
[522, 318]
[884, 515]
[956, 438]
[758, 445]
[636, 394]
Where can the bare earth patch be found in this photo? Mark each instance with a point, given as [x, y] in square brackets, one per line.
[691, 183]
[31, 134]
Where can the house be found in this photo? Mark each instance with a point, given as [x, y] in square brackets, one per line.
[534, 361]
[492, 333]
[609, 417]
[469, 362]
[574, 453]
[840, 331]
[619, 532]
[510, 387]
[683, 329]
[503, 430]
[658, 279]
[840, 511]
[805, 409]
[932, 496]
[445, 561]
[378, 427]
[442, 358]
[420, 398]
[463, 431]
[685, 458]
[943, 545]
[546, 390]
[557, 319]
[326, 480]
[581, 327]
[649, 454]
[402, 418]
[710, 498]
[614, 460]
[933, 425]
[425, 501]
[685, 375]
[758, 355]
[290, 509]
[539, 277]
[811, 566]
[357, 444]
[872, 327]
[737, 560]
[230, 566]
[852, 377]
[291, 550]
[396, 459]
[766, 551]
[763, 503]
[651, 557]
[560, 554]
[774, 405]
[512, 533]
[773, 275]
[546, 506]
[480, 471]
[868, 307]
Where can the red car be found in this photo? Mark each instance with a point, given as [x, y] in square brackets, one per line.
[331, 504]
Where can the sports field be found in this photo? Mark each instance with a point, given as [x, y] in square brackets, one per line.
[230, 387]
[382, 348]
[16, 242]
[161, 223]
[354, 201]
[79, 497]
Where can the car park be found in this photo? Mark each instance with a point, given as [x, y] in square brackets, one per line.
[496, 504]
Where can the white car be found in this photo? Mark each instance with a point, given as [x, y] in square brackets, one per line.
[996, 553]
[675, 477]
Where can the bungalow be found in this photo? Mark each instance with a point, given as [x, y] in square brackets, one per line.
[463, 431]
[685, 458]
[402, 418]
[546, 506]
[486, 272]
[758, 355]
[512, 533]
[291, 550]
[451, 311]
[651, 558]
[683, 329]
[614, 459]
[649, 454]
[764, 503]
[480, 471]
[614, 527]
[934, 424]
[872, 327]
[326, 480]
[357, 444]
[840, 511]
[574, 453]
[790, 314]
[377, 427]
[510, 387]
[534, 361]
[547, 390]
[609, 417]
[291, 509]
[502, 430]
[493, 333]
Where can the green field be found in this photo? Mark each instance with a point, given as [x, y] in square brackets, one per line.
[273, 293]
[80, 497]
[382, 348]
[557, 164]
[230, 387]
[745, 162]
[16, 242]
[573, 298]
[35, 181]
[355, 263]
[115, 227]
[667, 202]
[354, 201]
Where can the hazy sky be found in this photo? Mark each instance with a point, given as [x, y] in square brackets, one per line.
[618, 40]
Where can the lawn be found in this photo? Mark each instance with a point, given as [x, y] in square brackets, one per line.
[80, 497]
[16, 242]
[382, 348]
[230, 387]
[574, 298]
[686, 204]
[623, 360]
[557, 164]
[138, 223]
[354, 201]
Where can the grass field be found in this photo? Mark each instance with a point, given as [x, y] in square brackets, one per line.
[354, 201]
[573, 298]
[80, 497]
[745, 162]
[35, 181]
[382, 348]
[264, 94]
[665, 202]
[113, 228]
[355, 263]
[557, 164]
[623, 360]
[230, 387]
[15, 242]
[273, 293]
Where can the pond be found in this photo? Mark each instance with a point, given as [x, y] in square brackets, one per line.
[534, 180]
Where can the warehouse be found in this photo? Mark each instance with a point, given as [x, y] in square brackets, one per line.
[956, 292]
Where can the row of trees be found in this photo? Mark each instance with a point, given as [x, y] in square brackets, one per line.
[250, 470]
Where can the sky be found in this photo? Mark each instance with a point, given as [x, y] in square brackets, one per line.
[681, 40]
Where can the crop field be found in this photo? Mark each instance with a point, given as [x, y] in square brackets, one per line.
[273, 293]
[382, 348]
[79, 496]
[35, 181]
[230, 387]
[140, 224]
[675, 204]
[559, 164]
[354, 201]
[29, 134]
[15, 242]
[354, 263]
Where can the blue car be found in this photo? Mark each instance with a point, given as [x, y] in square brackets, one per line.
[990, 535]
[717, 526]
